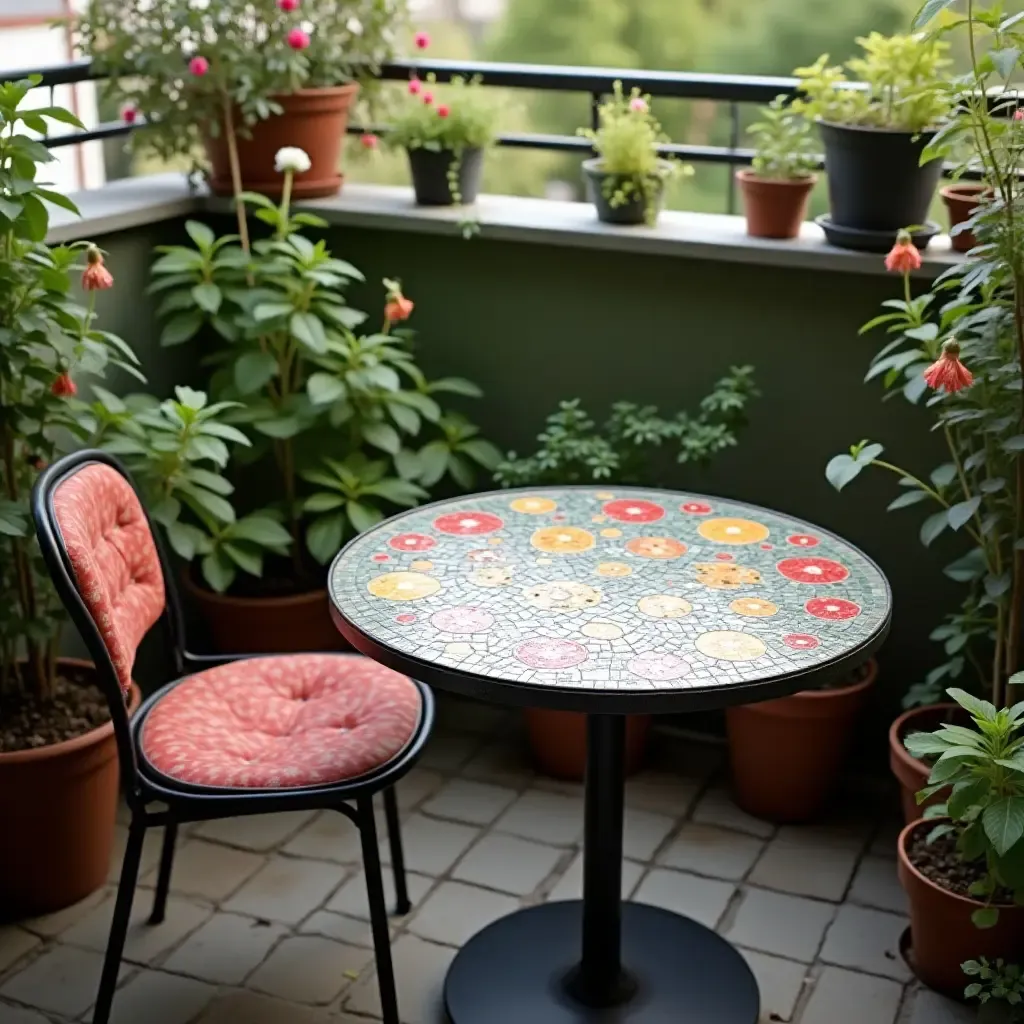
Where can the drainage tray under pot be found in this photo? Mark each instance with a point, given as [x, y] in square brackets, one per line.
[871, 241]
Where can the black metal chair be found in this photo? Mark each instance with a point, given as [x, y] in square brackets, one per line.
[113, 576]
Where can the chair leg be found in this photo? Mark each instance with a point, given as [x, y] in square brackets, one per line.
[402, 904]
[378, 910]
[163, 882]
[119, 926]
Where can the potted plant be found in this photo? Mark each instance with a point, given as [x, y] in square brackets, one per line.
[242, 78]
[345, 427]
[626, 180]
[963, 199]
[445, 132]
[786, 754]
[962, 866]
[58, 756]
[634, 446]
[776, 191]
[999, 989]
[875, 135]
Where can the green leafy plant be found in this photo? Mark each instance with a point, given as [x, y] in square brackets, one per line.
[983, 767]
[635, 442]
[999, 986]
[785, 146]
[349, 413]
[195, 68]
[48, 339]
[898, 83]
[627, 141]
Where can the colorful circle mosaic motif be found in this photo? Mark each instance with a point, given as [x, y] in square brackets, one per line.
[521, 586]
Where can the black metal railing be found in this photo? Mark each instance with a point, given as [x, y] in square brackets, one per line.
[595, 83]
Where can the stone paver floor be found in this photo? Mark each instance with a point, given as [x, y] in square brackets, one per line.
[267, 919]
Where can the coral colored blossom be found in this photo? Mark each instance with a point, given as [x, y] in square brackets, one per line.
[64, 386]
[369, 141]
[947, 371]
[297, 39]
[415, 86]
[443, 110]
[199, 66]
[904, 256]
[96, 277]
[399, 308]
[422, 40]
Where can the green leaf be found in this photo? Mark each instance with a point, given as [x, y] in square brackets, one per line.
[483, 452]
[261, 530]
[208, 297]
[964, 795]
[975, 706]
[225, 431]
[206, 501]
[433, 462]
[249, 561]
[924, 744]
[323, 501]
[253, 370]
[383, 436]
[932, 527]
[200, 234]
[407, 463]
[907, 498]
[985, 917]
[1003, 821]
[187, 540]
[307, 329]
[181, 328]
[271, 310]
[10, 209]
[283, 427]
[218, 571]
[323, 538]
[962, 512]
[324, 388]
[363, 517]
[842, 469]
[929, 10]
[1005, 60]
[211, 481]
[56, 199]
[456, 386]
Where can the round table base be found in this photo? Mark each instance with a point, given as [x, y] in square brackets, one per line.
[515, 972]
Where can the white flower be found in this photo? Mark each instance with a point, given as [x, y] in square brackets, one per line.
[291, 158]
[354, 25]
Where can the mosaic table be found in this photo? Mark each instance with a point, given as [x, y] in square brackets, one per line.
[608, 602]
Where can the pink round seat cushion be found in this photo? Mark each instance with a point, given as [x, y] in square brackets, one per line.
[282, 722]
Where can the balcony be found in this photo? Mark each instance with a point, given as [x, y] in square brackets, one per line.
[267, 922]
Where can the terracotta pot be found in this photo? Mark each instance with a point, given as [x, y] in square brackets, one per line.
[58, 805]
[266, 625]
[559, 742]
[314, 120]
[962, 200]
[911, 773]
[786, 754]
[775, 208]
[942, 934]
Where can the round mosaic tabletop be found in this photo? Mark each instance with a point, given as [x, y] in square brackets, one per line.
[624, 598]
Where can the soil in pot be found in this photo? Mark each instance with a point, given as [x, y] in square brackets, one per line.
[911, 773]
[601, 186]
[558, 740]
[58, 800]
[961, 201]
[314, 120]
[775, 207]
[942, 933]
[431, 175]
[875, 178]
[786, 754]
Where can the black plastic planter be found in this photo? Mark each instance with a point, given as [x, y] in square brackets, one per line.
[601, 186]
[876, 182]
[430, 175]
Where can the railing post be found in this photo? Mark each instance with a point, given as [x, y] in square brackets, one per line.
[734, 145]
[595, 110]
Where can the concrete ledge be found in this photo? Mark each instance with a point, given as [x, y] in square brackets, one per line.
[136, 201]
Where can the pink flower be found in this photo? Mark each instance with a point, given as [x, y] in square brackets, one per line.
[399, 308]
[443, 110]
[199, 66]
[422, 40]
[288, 5]
[639, 105]
[415, 86]
[96, 277]
[904, 256]
[428, 98]
[129, 114]
[947, 371]
[369, 140]
[297, 39]
[63, 386]
[1018, 115]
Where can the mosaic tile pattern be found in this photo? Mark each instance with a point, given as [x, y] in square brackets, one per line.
[624, 589]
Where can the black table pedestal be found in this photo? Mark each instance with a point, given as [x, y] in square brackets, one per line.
[599, 960]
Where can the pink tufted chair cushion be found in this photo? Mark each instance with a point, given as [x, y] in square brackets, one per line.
[113, 557]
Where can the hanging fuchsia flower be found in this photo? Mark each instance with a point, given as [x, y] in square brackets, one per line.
[947, 371]
[129, 114]
[96, 277]
[415, 86]
[428, 98]
[64, 387]
[443, 110]
[422, 40]
[904, 256]
[369, 140]
[288, 5]
[199, 66]
[297, 39]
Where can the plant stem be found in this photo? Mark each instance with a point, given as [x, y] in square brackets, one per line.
[236, 174]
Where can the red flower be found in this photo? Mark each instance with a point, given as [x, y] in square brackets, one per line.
[199, 66]
[947, 371]
[369, 140]
[422, 40]
[443, 110]
[96, 277]
[428, 98]
[297, 39]
[63, 386]
[288, 5]
[129, 114]
[398, 308]
[903, 256]
[415, 86]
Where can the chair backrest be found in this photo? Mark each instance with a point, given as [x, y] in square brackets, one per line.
[107, 567]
